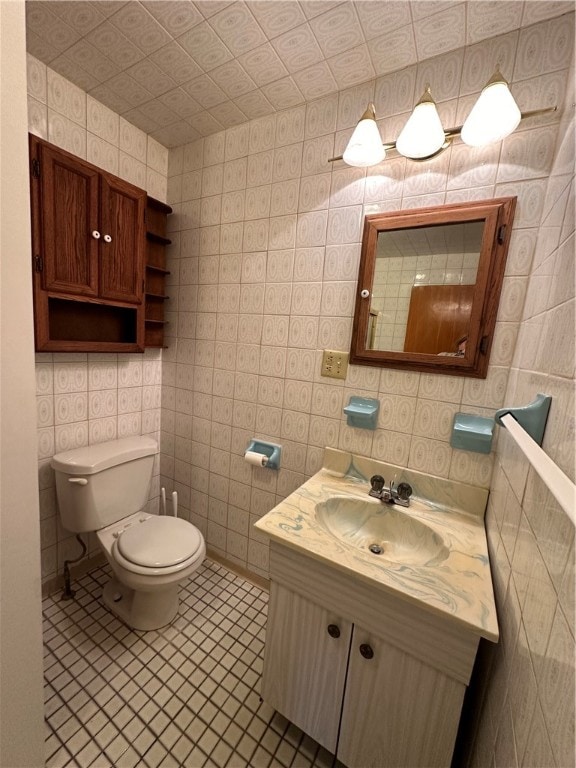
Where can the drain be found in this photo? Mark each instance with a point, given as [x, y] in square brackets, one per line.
[376, 549]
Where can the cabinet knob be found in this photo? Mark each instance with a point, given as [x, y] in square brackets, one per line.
[333, 630]
[366, 651]
[107, 239]
[95, 234]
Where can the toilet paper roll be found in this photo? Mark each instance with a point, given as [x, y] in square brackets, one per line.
[256, 459]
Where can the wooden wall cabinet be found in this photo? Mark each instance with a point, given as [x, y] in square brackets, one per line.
[376, 681]
[88, 243]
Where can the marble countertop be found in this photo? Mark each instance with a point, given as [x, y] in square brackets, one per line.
[459, 586]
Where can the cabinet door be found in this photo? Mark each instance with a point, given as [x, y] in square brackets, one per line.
[122, 243]
[398, 712]
[304, 665]
[67, 216]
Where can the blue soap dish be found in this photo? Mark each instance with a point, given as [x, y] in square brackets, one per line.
[362, 412]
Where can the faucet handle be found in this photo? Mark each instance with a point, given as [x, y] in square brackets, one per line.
[404, 491]
[377, 483]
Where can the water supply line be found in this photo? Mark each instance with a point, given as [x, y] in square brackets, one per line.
[68, 592]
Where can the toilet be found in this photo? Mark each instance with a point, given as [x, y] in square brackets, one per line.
[104, 488]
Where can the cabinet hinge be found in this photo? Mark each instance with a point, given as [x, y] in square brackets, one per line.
[36, 168]
[38, 263]
[501, 234]
[484, 345]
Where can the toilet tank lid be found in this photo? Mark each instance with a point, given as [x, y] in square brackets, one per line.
[95, 458]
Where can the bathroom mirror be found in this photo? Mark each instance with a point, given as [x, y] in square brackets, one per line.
[429, 284]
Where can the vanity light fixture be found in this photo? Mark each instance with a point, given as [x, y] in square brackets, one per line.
[494, 116]
[423, 135]
[365, 146]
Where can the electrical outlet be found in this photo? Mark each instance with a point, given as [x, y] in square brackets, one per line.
[334, 364]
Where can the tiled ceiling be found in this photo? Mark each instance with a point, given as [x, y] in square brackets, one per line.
[179, 69]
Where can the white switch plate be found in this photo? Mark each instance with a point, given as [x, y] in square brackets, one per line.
[334, 364]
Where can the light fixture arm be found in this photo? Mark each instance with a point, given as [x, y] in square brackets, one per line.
[450, 133]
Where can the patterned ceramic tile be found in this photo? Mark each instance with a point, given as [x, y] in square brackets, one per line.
[482, 23]
[223, 338]
[393, 50]
[37, 118]
[298, 48]
[66, 134]
[441, 32]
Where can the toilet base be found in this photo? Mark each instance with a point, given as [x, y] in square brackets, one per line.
[141, 610]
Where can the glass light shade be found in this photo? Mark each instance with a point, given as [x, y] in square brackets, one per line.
[365, 146]
[494, 116]
[423, 134]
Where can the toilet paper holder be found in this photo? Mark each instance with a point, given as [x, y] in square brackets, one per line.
[270, 450]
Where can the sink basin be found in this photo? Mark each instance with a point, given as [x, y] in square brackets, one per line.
[381, 530]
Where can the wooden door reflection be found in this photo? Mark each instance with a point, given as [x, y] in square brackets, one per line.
[438, 317]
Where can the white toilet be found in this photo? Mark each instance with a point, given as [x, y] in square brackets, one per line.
[103, 488]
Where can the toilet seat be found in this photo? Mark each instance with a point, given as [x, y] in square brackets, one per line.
[158, 545]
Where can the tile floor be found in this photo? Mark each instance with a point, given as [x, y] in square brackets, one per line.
[186, 695]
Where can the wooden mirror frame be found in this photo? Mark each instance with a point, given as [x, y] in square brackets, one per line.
[498, 215]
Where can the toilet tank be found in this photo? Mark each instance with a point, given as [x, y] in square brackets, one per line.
[100, 484]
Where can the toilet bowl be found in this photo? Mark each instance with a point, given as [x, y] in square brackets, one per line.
[150, 556]
[103, 488]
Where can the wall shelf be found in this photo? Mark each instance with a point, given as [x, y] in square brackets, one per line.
[153, 238]
[156, 242]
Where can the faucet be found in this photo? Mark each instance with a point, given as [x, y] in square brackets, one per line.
[394, 494]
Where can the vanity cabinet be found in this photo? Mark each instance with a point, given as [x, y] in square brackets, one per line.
[305, 664]
[88, 241]
[398, 711]
[387, 692]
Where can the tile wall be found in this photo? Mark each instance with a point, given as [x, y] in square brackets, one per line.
[266, 246]
[264, 262]
[88, 398]
[526, 704]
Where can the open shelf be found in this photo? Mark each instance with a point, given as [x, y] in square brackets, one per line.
[91, 327]
[156, 242]
[153, 238]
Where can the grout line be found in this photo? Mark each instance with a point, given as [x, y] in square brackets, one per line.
[186, 684]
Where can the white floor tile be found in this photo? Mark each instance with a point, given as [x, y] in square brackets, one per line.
[186, 695]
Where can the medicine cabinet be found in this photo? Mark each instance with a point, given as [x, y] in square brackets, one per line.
[429, 285]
